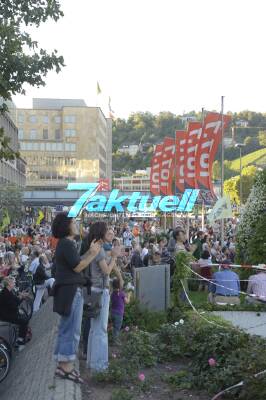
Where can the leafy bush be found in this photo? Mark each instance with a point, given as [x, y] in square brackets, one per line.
[121, 394]
[170, 342]
[116, 373]
[139, 349]
[181, 379]
[181, 274]
[146, 320]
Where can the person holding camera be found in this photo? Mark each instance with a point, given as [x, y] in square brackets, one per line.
[100, 270]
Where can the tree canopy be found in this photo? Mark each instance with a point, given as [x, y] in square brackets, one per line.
[21, 59]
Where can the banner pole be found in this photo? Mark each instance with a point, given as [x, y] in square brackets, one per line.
[222, 165]
[202, 216]
[174, 216]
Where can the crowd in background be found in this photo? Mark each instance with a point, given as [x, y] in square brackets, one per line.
[113, 251]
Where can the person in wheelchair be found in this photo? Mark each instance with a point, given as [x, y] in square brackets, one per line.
[9, 309]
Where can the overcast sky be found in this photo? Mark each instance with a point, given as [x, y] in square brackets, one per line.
[158, 55]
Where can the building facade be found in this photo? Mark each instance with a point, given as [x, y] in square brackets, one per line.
[12, 172]
[62, 141]
[140, 181]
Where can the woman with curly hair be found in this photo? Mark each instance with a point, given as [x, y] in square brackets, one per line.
[100, 270]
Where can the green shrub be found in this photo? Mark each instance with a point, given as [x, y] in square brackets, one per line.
[181, 274]
[139, 349]
[144, 319]
[116, 373]
[170, 342]
[121, 394]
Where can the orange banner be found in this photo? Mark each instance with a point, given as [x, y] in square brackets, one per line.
[167, 166]
[180, 140]
[155, 170]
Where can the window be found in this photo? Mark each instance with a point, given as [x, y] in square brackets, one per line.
[45, 134]
[57, 134]
[42, 146]
[21, 118]
[59, 147]
[53, 145]
[20, 134]
[22, 145]
[70, 119]
[57, 119]
[33, 119]
[35, 146]
[70, 132]
[70, 146]
[33, 134]
[45, 119]
[48, 146]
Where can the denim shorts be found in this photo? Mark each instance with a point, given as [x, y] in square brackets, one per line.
[69, 331]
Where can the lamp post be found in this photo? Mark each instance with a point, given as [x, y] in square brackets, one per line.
[240, 146]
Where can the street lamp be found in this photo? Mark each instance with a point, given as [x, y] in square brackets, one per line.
[240, 146]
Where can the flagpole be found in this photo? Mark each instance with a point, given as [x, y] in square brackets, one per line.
[174, 219]
[222, 166]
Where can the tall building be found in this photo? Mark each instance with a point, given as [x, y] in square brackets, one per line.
[12, 172]
[63, 140]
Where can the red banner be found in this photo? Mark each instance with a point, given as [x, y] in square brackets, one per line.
[167, 166]
[208, 145]
[191, 145]
[104, 185]
[180, 140]
[155, 170]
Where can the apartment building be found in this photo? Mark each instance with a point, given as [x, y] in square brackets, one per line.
[62, 141]
[12, 172]
[140, 181]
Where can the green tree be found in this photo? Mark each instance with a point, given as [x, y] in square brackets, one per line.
[257, 244]
[11, 198]
[262, 138]
[232, 185]
[22, 61]
[250, 221]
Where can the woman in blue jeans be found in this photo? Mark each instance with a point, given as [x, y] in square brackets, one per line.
[100, 269]
[68, 298]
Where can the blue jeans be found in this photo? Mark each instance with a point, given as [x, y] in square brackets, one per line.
[97, 355]
[117, 320]
[69, 331]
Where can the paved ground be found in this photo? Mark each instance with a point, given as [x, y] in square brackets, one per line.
[252, 322]
[32, 372]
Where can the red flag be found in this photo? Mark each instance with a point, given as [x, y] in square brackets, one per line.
[208, 145]
[180, 139]
[104, 185]
[167, 166]
[155, 170]
[191, 145]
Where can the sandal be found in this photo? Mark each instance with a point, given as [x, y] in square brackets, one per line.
[73, 375]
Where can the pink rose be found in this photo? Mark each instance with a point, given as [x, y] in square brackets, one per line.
[142, 377]
[127, 328]
[212, 362]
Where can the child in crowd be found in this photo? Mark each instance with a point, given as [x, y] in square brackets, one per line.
[118, 301]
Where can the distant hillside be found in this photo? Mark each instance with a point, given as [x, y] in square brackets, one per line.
[256, 158]
[146, 129]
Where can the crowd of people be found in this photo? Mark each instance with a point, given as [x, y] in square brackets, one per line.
[98, 263]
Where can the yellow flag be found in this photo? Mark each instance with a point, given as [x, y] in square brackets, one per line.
[222, 209]
[98, 89]
[6, 220]
[40, 217]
